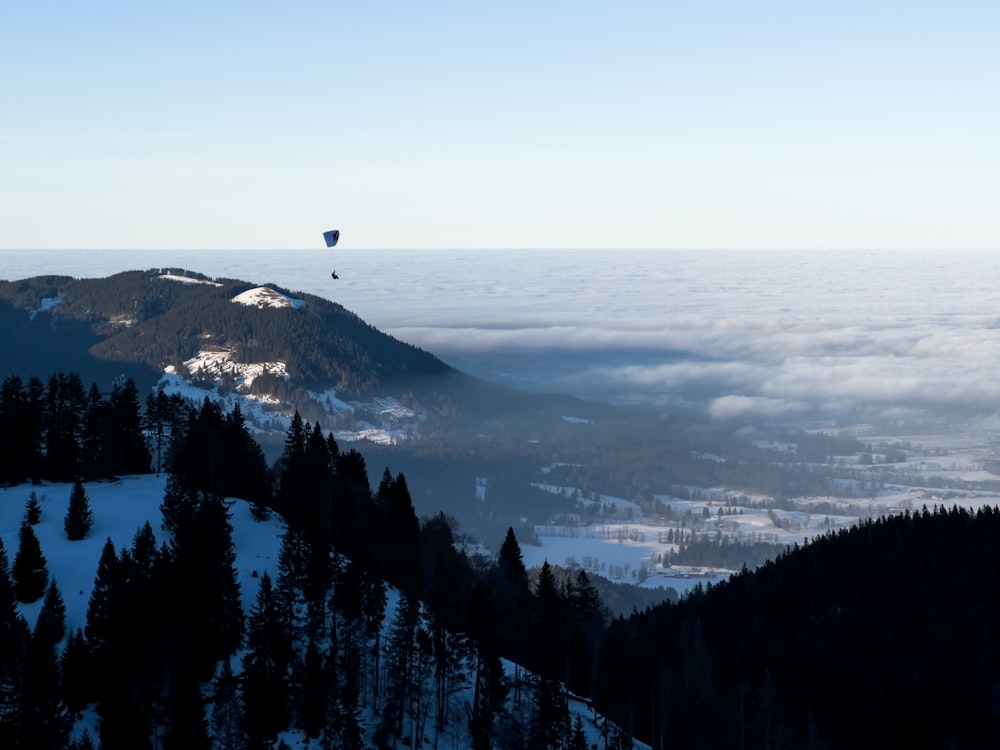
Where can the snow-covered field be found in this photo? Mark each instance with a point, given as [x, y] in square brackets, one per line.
[629, 545]
[120, 509]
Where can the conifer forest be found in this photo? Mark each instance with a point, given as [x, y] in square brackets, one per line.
[881, 635]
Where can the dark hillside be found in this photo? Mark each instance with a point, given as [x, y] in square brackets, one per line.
[866, 638]
[34, 344]
[139, 318]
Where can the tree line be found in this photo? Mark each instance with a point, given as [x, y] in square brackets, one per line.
[60, 431]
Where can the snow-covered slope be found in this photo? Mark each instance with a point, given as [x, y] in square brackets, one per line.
[120, 509]
[263, 296]
[123, 506]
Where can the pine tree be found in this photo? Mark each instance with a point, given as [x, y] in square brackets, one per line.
[290, 472]
[79, 517]
[588, 618]
[15, 638]
[29, 572]
[490, 687]
[265, 669]
[314, 692]
[203, 570]
[93, 435]
[578, 740]
[178, 499]
[124, 449]
[65, 403]
[512, 598]
[84, 743]
[51, 625]
[400, 663]
[76, 671]
[9, 614]
[187, 728]
[103, 606]
[32, 510]
[227, 711]
[44, 719]
[550, 719]
[14, 415]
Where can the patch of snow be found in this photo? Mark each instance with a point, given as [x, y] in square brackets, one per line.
[120, 509]
[46, 305]
[263, 296]
[187, 279]
[219, 363]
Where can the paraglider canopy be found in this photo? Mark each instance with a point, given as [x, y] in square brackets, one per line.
[331, 237]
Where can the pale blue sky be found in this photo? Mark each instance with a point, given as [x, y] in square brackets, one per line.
[515, 124]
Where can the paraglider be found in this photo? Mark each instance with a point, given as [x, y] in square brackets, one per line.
[331, 238]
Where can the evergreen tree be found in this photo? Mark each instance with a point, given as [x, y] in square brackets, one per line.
[585, 626]
[290, 472]
[124, 449]
[44, 720]
[9, 614]
[265, 669]
[102, 611]
[94, 435]
[203, 570]
[32, 510]
[512, 598]
[227, 711]
[84, 743]
[178, 499]
[14, 442]
[400, 664]
[448, 649]
[64, 407]
[548, 655]
[29, 572]
[550, 716]
[77, 674]
[51, 625]
[490, 687]
[578, 740]
[399, 538]
[314, 692]
[187, 728]
[373, 589]
[164, 421]
[79, 517]
[290, 583]
[15, 638]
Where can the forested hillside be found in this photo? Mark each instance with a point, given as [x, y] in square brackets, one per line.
[862, 638]
[164, 317]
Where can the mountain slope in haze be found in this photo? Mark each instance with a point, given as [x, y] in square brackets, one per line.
[159, 317]
[282, 350]
[285, 350]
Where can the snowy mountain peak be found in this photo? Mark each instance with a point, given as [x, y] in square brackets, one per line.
[263, 296]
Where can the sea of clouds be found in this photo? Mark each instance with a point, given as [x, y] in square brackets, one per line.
[894, 338]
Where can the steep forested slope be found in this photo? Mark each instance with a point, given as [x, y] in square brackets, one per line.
[150, 319]
[862, 638]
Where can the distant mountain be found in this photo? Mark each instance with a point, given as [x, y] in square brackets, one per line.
[286, 350]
